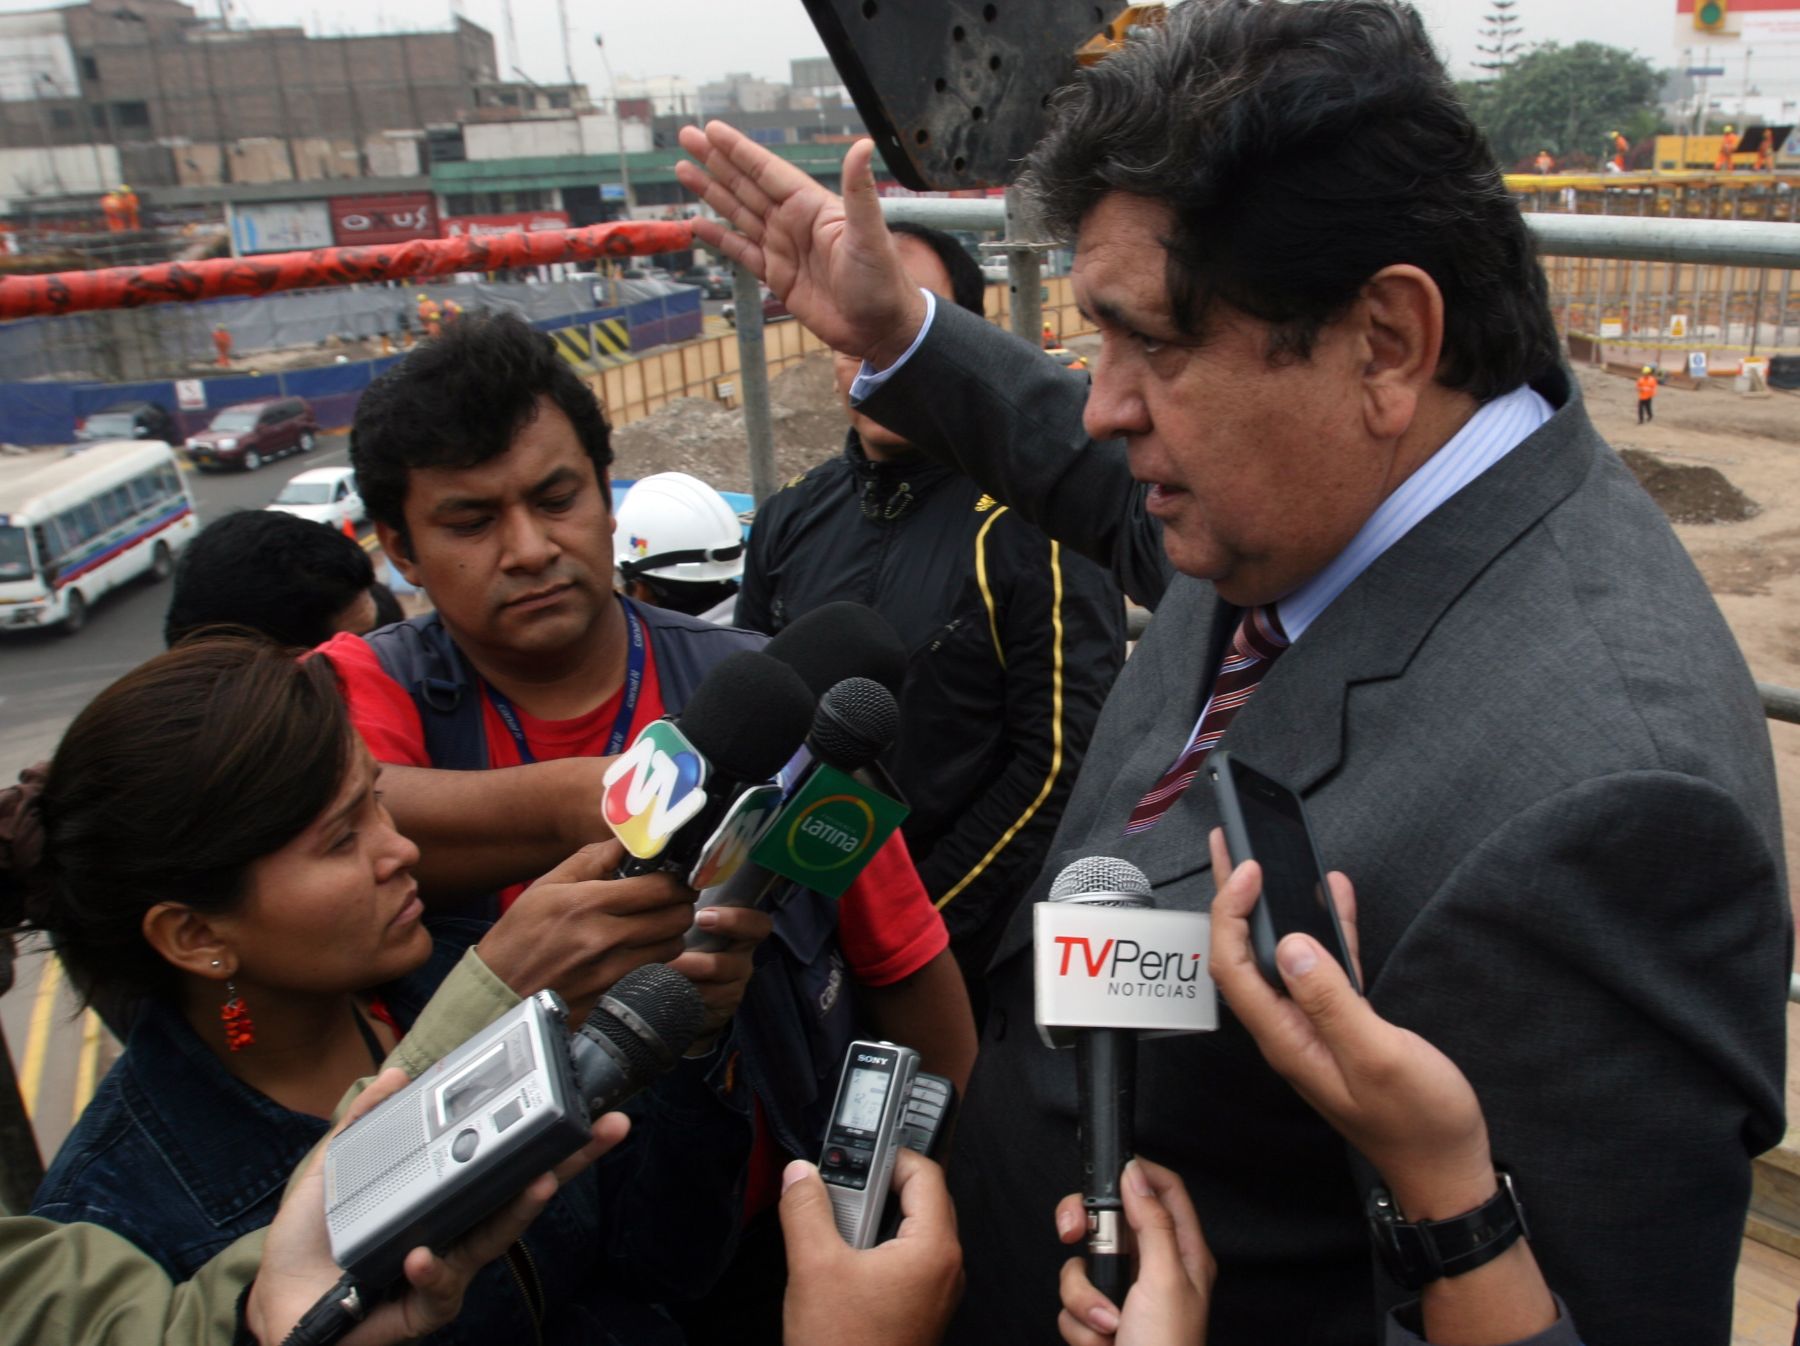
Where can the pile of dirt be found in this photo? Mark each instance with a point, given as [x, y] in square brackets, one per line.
[1689, 494]
[700, 437]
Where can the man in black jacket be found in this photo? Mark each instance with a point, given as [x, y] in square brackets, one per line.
[1015, 641]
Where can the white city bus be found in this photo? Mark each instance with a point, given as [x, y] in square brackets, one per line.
[73, 528]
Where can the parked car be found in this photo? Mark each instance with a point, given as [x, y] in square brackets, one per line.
[773, 309]
[714, 282]
[325, 495]
[252, 433]
[128, 420]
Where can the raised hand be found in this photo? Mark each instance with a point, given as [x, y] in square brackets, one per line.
[830, 259]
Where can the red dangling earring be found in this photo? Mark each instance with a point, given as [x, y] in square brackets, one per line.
[240, 1031]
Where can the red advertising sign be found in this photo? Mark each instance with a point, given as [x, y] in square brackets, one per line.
[524, 222]
[398, 218]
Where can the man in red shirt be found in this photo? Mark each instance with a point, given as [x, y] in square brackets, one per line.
[483, 461]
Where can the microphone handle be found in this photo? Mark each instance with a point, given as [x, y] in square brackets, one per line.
[1106, 1075]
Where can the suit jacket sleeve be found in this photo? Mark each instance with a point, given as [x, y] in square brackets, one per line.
[1610, 970]
[998, 409]
[1059, 626]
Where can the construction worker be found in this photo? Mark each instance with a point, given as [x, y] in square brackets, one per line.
[222, 344]
[128, 207]
[452, 310]
[1051, 340]
[1646, 386]
[1544, 163]
[1620, 148]
[1765, 152]
[431, 317]
[114, 212]
[680, 545]
[1728, 144]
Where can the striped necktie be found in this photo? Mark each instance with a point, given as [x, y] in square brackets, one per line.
[1258, 640]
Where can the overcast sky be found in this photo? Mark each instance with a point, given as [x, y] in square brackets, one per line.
[703, 39]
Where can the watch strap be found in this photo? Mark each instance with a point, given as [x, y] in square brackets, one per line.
[1418, 1253]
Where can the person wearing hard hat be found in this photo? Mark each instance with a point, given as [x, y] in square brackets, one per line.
[1544, 163]
[1646, 386]
[430, 315]
[1728, 144]
[679, 545]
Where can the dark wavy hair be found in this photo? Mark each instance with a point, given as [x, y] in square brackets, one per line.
[166, 788]
[1301, 148]
[459, 400]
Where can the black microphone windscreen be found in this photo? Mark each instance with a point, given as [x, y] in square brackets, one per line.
[838, 641]
[664, 1004]
[748, 716]
[855, 722]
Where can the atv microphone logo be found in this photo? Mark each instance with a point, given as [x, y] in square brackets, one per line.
[653, 788]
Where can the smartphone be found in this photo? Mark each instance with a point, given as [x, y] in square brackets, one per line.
[1265, 822]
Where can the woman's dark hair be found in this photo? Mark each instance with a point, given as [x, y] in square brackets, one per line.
[1301, 148]
[165, 789]
[287, 577]
[461, 399]
[967, 287]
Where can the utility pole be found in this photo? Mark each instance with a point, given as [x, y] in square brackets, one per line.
[612, 86]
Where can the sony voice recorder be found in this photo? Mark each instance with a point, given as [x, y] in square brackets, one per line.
[883, 1102]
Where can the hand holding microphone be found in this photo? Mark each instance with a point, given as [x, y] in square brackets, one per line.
[1168, 1303]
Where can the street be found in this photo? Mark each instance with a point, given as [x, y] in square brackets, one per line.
[45, 680]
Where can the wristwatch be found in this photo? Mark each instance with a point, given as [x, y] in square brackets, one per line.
[1417, 1254]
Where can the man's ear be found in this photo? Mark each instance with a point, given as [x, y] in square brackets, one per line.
[186, 939]
[1403, 312]
[394, 545]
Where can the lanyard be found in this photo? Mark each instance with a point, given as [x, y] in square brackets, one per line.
[628, 698]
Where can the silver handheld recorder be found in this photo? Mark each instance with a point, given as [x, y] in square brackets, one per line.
[510, 1103]
[867, 1116]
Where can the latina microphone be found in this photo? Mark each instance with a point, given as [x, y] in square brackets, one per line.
[669, 793]
[854, 723]
[1106, 1085]
[470, 1133]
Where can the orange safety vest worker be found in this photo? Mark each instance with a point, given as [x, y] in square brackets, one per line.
[1646, 385]
[1728, 144]
[1545, 164]
[1765, 152]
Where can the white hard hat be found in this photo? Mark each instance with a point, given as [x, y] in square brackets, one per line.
[676, 527]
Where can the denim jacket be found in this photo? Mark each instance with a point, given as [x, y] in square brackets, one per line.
[182, 1158]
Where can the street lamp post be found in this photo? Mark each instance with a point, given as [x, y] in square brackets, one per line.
[618, 128]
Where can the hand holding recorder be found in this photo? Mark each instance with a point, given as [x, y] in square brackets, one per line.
[898, 1293]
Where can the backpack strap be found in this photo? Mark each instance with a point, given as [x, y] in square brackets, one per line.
[420, 656]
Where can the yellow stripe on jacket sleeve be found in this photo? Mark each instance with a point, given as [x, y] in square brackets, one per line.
[987, 593]
[1056, 705]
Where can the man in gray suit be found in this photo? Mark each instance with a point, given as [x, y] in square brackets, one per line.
[1329, 407]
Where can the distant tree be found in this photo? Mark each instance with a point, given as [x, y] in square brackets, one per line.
[1567, 100]
[1502, 38]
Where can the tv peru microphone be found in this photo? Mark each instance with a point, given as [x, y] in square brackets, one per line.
[1106, 1084]
[476, 1128]
[669, 793]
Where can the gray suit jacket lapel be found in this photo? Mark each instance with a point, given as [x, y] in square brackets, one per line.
[1293, 728]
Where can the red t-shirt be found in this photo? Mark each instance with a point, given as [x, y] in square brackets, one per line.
[886, 924]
